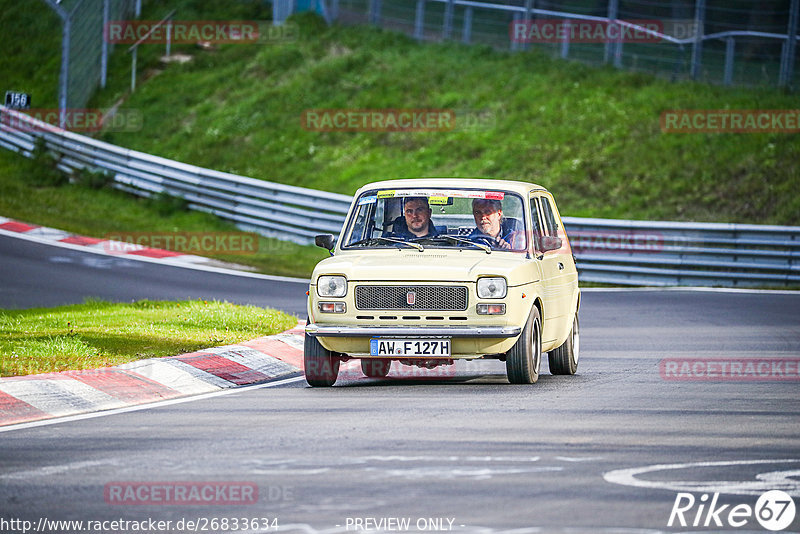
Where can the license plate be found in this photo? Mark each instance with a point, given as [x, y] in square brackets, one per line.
[437, 348]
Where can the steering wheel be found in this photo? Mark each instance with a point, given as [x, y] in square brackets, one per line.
[484, 239]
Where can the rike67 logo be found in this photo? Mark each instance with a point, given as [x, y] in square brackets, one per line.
[774, 510]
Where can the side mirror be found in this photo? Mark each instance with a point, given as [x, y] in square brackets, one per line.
[325, 241]
[549, 242]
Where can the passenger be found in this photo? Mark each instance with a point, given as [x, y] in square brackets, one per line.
[490, 224]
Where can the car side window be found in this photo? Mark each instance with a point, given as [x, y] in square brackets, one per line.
[537, 227]
[549, 218]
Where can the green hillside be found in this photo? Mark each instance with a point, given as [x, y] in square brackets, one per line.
[590, 135]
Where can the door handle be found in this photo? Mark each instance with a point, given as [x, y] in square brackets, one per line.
[560, 266]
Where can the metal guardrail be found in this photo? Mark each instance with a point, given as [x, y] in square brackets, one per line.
[271, 209]
[607, 250]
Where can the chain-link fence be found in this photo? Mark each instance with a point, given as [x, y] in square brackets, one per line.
[84, 50]
[733, 42]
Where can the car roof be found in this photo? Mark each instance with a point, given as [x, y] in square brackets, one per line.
[488, 184]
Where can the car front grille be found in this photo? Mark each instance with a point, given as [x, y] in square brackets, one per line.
[429, 298]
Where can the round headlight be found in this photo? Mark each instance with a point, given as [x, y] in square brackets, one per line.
[331, 286]
[492, 288]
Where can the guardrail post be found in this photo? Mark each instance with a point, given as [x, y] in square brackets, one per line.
[789, 47]
[466, 34]
[447, 30]
[697, 47]
[133, 69]
[169, 37]
[730, 45]
[419, 20]
[613, 9]
[565, 41]
[375, 12]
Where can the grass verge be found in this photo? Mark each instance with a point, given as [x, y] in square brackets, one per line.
[101, 334]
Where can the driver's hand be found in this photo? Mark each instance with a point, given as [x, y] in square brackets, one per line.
[503, 244]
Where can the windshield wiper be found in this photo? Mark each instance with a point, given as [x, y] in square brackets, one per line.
[481, 246]
[390, 240]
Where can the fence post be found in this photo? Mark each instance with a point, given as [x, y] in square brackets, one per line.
[697, 48]
[447, 31]
[789, 47]
[730, 45]
[64, 73]
[375, 12]
[104, 45]
[466, 34]
[613, 9]
[565, 41]
[138, 8]
[529, 6]
[419, 20]
[334, 10]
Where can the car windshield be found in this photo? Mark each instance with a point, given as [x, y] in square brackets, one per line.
[486, 220]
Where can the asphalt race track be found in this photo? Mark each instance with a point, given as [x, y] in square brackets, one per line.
[464, 453]
[39, 274]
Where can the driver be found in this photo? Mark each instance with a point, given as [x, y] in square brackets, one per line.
[417, 214]
[490, 223]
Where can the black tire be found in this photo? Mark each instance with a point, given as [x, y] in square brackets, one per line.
[564, 359]
[375, 368]
[322, 366]
[525, 357]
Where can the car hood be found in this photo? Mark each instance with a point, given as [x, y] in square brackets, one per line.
[430, 265]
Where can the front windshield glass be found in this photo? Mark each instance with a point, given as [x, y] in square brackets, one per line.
[439, 218]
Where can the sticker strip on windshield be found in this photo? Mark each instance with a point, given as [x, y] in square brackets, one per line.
[368, 200]
[439, 194]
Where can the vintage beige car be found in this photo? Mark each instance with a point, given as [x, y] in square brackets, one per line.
[429, 271]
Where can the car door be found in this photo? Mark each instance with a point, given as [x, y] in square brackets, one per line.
[556, 279]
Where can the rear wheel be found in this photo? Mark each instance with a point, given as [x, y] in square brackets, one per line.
[525, 357]
[564, 359]
[375, 368]
[322, 365]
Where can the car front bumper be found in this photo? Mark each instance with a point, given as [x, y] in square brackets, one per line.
[315, 330]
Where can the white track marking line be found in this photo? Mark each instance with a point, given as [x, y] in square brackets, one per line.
[81, 417]
[627, 477]
[49, 470]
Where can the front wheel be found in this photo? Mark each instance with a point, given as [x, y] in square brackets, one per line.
[564, 359]
[321, 365]
[525, 357]
[375, 368]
